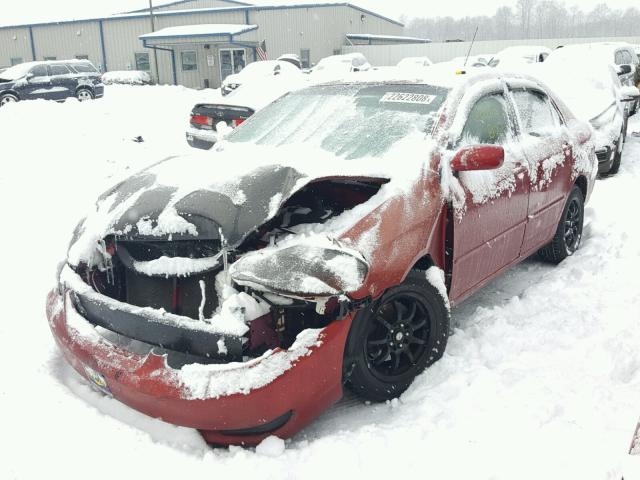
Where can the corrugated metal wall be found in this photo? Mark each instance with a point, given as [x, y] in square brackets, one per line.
[68, 41]
[321, 30]
[384, 55]
[14, 43]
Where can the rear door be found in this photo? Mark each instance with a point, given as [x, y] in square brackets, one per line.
[549, 153]
[489, 230]
[63, 81]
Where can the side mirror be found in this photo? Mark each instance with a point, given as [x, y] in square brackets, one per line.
[29, 76]
[624, 69]
[478, 157]
[629, 93]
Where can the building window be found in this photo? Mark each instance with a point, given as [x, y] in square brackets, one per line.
[189, 60]
[82, 57]
[142, 62]
[16, 61]
[49, 59]
[305, 58]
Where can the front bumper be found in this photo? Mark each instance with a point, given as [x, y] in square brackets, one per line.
[146, 383]
[201, 139]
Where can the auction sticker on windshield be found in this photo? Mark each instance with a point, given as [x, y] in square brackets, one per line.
[398, 97]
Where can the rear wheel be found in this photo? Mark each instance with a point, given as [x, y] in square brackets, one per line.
[7, 98]
[569, 232]
[396, 338]
[84, 94]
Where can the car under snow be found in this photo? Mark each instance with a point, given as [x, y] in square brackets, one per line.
[320, 245]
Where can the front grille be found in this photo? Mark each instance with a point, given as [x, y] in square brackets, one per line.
[603, 155]
[179, 295]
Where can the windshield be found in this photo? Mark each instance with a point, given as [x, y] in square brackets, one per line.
[350, 121]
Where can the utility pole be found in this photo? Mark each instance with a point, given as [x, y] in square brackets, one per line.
[155, 52]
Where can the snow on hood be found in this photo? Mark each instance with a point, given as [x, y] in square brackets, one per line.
[229, 191]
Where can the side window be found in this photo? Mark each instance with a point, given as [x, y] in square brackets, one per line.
[142, 62]
[39, 71]
[537, 116]
[626, 56]
[59, 70]
[619, 58]
[189, 60]
[487, 122]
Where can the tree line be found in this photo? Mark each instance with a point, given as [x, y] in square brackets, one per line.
[531, 19]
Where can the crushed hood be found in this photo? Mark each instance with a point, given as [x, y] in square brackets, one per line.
[174, 199]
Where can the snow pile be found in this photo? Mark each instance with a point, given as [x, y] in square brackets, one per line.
[176, 266]
[126, 77]
[271, 447]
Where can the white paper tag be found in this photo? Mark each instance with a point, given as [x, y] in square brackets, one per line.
[398, 97]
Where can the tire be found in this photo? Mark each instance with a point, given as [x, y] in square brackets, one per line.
[395, 338]
[568, 235]
[84, 94]
[617, 157]
[7, 98]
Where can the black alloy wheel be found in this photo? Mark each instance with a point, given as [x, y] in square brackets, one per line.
[569, 231]
[395, 338]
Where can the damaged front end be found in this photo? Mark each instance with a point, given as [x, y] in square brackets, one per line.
[214, 317]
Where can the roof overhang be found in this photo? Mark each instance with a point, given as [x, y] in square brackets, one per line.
[206, 33]
[388, 39]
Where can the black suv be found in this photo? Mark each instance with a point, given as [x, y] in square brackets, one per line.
[52, 80]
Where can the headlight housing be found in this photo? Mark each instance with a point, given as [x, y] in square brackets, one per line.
[302, 271]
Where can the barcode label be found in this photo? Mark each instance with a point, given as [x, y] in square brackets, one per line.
[397, 97]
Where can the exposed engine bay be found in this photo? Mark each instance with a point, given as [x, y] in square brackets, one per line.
[189, 278]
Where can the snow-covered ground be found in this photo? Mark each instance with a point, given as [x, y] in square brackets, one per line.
[540, 380]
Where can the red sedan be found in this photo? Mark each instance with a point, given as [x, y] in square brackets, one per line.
[321, 245]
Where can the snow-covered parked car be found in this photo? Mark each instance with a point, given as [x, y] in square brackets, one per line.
[320, 245]
[50, 80]
[258, 72]
[412, 63]
[127, 77]
[514, 57]
[233, 109]
[594, 93]
[335, 67]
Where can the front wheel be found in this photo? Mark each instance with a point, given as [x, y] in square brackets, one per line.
[396, 338]
[7, 98]
[569, 232]
[84, 94]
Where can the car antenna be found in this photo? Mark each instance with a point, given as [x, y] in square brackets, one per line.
[473, 40]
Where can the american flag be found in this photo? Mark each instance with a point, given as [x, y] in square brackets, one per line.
[261, 50]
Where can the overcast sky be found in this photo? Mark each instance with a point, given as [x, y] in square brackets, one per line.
[31, 11]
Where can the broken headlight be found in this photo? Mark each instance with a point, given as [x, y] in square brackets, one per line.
[305, 271]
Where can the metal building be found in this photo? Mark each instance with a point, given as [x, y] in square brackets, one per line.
[198, 42]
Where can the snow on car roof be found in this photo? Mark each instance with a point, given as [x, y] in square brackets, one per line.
[200, 30]
[20, 70]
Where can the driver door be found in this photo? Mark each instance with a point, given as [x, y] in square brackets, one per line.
[488, 231]
[37, 85]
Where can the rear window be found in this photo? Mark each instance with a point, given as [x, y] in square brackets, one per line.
[350, 121]
[84, 67]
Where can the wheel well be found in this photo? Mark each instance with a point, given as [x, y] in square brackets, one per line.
[423, 263]
[10, 92]
[581, 182]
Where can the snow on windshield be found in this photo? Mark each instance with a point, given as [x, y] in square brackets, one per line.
[349, 121]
